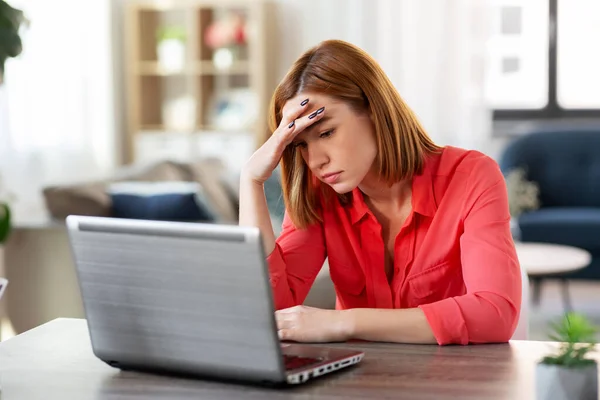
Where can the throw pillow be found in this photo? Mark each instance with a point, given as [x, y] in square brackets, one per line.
[166, 201]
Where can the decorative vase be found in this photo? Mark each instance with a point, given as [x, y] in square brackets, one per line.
[514, 229]
[179, 113]
[554, 382]
[171, 55]
[2, 289]
[224, 57]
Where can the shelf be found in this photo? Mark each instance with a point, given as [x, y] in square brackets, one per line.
[208, 68]
[218, 85]
[152, 68]
[160, 130]
[167, 5]
[208, 128]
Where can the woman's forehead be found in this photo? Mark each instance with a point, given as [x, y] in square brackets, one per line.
[315, 101]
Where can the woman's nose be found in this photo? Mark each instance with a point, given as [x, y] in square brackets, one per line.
[317, 157]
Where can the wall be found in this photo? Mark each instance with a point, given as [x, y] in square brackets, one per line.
[432, 50]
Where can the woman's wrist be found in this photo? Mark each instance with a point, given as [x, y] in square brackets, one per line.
[247, 178]
[347, 323]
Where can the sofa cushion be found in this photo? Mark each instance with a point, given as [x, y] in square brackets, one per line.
[168, 201]
[575, 226]
[162, 207]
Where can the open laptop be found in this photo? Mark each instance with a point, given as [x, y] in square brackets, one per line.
[187, 298]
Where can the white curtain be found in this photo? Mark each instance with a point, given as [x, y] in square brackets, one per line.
[56, 106]
[434, 51]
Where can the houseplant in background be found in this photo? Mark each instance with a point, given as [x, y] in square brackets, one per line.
[226, 36]
[5, 219]
[5, 225]
[10, 41]
[178, 113]
[523, 195]
[569, 374]
[10, 46]
[170, 49]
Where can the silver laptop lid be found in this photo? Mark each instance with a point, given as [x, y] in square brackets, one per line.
[191, 298]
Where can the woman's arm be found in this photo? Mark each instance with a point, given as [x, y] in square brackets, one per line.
[308, 324]
[294, 263]
[254, 210]
[297, 255]
[490, 309]
[294, 259]
[381, 325]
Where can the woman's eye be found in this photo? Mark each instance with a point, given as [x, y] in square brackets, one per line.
[299, 144]
[326, 134]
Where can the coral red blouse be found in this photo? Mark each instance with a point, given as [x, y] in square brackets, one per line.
[454, 257]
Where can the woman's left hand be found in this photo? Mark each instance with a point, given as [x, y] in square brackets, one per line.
[308, 324]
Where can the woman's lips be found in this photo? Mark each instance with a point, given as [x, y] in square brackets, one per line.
[331, 178]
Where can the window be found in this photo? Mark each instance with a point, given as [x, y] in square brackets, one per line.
[543, 59]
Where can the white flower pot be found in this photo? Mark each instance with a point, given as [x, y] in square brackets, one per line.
[515, 230]
[559, 383]
[179, 113]
[171, 55]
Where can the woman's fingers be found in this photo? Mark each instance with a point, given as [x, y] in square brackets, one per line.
[284, 320]
[295, 127]
[306, 121]
[291, 113]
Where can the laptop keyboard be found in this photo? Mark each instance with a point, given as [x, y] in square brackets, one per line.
[295, 362]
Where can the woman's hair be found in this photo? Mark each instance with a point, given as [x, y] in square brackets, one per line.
[345, 72]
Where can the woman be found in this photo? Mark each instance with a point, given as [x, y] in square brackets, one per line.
[417, 236]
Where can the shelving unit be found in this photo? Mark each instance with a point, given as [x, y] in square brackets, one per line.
[202, 86]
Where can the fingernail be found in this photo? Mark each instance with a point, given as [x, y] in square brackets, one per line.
[320, 110]
[311, 116]
[304, 102]
[292, 124]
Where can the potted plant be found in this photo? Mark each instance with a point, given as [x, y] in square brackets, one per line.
[5, 225]
[10, 41]
[227, 38]
[171, 48]
[523, 195]
[569, 374]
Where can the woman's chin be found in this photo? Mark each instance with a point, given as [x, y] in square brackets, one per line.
[342, 187]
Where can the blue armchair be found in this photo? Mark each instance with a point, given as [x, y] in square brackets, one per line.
[566, 165]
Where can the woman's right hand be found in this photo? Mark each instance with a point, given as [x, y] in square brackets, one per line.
[261, 164]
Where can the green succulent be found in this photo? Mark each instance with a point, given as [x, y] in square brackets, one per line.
[4, 222]
[577, 336]
[10, 41]
[171, 32]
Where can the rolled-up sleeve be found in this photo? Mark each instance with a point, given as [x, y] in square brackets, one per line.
[295, 262]
[489, 311]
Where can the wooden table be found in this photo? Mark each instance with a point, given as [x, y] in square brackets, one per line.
[55, 361]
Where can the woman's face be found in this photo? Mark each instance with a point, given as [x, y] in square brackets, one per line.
[340, 148]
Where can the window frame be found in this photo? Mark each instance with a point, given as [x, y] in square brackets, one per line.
[552, 110]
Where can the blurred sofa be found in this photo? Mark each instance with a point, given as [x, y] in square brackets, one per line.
[153, 191]
[38, 259]
[566, 166]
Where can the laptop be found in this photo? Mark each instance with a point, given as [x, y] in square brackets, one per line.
[187, 298]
